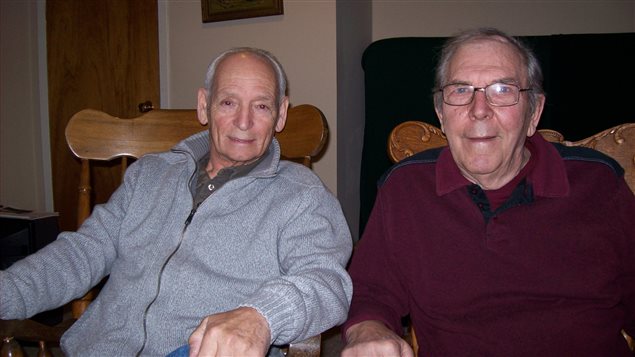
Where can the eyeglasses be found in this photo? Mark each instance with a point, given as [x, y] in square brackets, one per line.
[497, 94]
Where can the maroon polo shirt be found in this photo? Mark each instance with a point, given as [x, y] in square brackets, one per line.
[550, 271]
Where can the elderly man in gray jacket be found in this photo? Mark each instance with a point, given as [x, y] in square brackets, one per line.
[217, 241]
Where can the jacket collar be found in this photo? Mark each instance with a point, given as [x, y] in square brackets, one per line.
[197, 146]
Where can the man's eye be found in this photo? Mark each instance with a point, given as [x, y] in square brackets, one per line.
[262, 107]
[462, 90]
[226, 103]
[503, 89]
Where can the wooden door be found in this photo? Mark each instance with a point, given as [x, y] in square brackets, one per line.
[102, 54]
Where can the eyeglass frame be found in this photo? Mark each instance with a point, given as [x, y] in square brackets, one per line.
[484, 90]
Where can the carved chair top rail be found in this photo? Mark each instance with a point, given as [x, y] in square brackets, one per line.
[93, 134]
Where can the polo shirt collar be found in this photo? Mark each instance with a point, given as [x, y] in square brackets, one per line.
[548, 178]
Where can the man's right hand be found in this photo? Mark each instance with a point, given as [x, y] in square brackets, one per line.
[374, 339]
[240, 332]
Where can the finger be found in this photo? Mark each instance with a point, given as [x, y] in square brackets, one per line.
[196, 338]
[380, 348]
[209, 347]
[406, 350]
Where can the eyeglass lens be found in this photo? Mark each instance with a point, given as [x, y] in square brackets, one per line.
[497, 94]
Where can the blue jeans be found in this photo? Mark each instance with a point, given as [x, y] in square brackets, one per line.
[183, 351]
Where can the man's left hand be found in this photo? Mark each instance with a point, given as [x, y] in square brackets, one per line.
[240, 332]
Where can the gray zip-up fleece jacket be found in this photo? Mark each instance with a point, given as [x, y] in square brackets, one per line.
[275, 240]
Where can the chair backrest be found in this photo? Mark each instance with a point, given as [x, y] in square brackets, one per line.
[304, 136]
[618, 142]
[411, 137]
[95, 135]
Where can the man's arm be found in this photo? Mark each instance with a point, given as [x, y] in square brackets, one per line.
[625, 206]
[312, 294]
[314, 290]
[66, 268]
[380, 298]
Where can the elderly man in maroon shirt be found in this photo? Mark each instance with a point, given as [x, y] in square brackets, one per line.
[501, 244]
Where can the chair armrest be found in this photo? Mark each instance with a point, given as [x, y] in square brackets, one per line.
[305, 348]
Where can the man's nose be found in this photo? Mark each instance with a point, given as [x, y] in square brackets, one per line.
[480, 105]
[244, 119]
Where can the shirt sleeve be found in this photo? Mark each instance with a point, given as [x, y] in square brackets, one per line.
[378, 285]
[68, 267]
[625, 208]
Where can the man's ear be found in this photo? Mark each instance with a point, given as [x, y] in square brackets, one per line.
[282, 115]
[201, 107]
[440, 117]
[535, 117]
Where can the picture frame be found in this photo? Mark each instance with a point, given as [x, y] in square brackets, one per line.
[223, 10]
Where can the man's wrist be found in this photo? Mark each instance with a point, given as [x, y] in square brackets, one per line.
[358, 328]
[262, 318]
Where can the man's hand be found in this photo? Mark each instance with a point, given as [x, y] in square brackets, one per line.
[241, 332]
[374, 339]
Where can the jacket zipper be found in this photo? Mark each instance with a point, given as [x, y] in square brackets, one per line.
[188, 220]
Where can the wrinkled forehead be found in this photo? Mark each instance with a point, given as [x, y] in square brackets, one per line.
[245, 66]
[493, 54]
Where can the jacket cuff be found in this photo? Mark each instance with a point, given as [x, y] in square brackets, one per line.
[283, 308]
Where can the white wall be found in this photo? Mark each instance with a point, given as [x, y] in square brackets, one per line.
[353, 36]
[437, 18]
[23, 140]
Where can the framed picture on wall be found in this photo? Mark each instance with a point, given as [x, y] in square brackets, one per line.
[222, 10]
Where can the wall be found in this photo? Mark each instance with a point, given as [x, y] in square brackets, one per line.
[437, 18]
[353, 36]
[24, 160]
